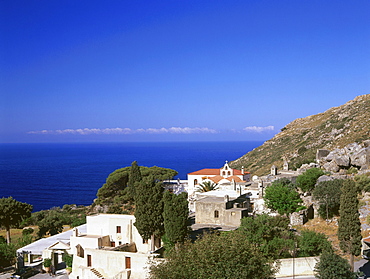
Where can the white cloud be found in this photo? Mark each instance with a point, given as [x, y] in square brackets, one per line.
[257, 129]
[126, 131]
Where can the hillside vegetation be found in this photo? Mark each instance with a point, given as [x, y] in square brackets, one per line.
[298, 141]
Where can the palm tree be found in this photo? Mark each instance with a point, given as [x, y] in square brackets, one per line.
[207, 186]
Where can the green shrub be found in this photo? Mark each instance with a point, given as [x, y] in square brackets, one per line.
[27, 231]
[306, 181]
[312, 243]
[68, 259]
[7, 254]
[47, 262]
[352, 170]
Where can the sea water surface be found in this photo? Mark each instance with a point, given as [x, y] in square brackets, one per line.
[53, 174]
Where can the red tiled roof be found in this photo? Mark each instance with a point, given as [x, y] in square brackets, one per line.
[206, 172]
[215, 172]
[367, 239]
[237, 172]
[216, 178]
[236, 178]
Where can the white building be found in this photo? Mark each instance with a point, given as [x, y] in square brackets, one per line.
[52, 247]
[226, 178]
[111, 248]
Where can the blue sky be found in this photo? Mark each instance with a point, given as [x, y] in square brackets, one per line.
[176, 70]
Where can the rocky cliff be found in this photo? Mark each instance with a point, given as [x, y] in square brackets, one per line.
[298, 142]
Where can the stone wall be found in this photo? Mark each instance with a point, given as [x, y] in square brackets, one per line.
[297, 266]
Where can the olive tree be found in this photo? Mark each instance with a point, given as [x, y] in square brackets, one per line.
[12, 212]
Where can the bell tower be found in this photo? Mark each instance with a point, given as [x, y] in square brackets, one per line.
[226, 171]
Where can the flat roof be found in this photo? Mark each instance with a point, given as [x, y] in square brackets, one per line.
[38, 246]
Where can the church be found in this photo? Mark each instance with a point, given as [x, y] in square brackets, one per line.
[226, 178]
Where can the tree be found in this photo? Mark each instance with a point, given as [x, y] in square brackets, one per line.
[207, 186]
[149, 208]
[270, 234]
[134, 178]
[349, 226]
[227, 255]
[175, 216]
[285, 182]
[312, 243]
[282, 198]
[50, 222]
[332, 266]
[328, 194]
[7, 254]
[306, 181]
[12, 212]
[116, 183]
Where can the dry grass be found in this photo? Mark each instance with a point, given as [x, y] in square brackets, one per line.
[16, 234]
[321, 226]
[330, 229]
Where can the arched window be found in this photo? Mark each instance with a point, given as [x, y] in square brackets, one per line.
[195, 181]
[223, 173]
[228, 173]
[216, 213]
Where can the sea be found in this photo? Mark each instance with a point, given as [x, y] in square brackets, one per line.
[48, 175]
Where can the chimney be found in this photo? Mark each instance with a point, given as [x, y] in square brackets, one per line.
[242, 169]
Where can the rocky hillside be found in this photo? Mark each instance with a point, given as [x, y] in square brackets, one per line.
[299, 140]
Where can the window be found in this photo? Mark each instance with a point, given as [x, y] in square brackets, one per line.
[216, 213]
[223, 173]
[195, 181]
[118, 229]
[228, 173]
[88, 260]
[80, 251]
[128, 262]
[112, 244]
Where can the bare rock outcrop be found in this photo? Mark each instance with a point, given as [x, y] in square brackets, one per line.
[353, 155]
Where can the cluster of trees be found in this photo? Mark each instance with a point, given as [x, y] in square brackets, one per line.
[157, 212]
[116, 193]
[51, 222]
[15, 214]
[249, 252]
[12, 213]
[282, 196]
[338, 197]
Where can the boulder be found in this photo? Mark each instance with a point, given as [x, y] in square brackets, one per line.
[331, 166]
[354, 154]
[340, 157]
[324, 178]
[358, 158]
[333, 154]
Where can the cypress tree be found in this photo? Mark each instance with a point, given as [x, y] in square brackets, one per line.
[175, 215]
[149, 208]
[134, 178]
[349, 226]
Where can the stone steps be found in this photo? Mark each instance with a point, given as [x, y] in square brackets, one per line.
[97, 273]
